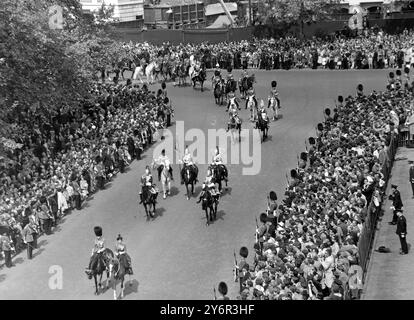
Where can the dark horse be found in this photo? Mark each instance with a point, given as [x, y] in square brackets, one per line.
[231, 86]
[101, 264]
[200, 78]
[219, 92]
[262, 124]
[118, 270]
[244, 84]
[209, 204]
[219, 174]
[189, 175]
[149, 200]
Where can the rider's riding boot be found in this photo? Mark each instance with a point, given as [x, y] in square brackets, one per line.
[140, 197]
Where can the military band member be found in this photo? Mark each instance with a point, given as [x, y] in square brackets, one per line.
[243, 266]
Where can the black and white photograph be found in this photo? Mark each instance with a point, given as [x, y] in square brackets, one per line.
[206, 150]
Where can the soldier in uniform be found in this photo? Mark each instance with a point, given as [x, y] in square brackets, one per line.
[397, 204]
[28, 238]
[98, 248]
[6, 246]
[147, 181]
[232, 103]
[208, 184]
[251, 94]
[274, 94]
[243, 266]
[120, 249]
[163, 159]
[222, 289]
[218, 160]
[188, 162]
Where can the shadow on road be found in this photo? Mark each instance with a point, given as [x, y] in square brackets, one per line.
[174, 191]
[38, 252]
[131, 287]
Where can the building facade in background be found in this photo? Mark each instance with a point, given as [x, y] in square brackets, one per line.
[124, 10]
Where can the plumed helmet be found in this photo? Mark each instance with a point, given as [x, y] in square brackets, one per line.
[274, 84]
[273, 196]
[293, 173]
[328, 112]
[98, 231]
[312, 140]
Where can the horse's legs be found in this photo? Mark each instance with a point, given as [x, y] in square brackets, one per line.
[207, 220]
[202, 86]
[96, 284]
[122, 287]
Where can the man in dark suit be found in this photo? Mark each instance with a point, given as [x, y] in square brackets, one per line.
[402, 232]
[411, 173]
[396, 203]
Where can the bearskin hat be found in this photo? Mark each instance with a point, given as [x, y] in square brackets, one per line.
[340, 99]
[328, 112]
[216, 73]
[406, 70]
[391, 75]
[229, 69]
[398, 72]
[98, 231]
[274, 84]
[163, 85]
[312, 140]
[244, 252]
[222, 288]
[360, 87]
[320, 126]
[293, 173]
[263, 217]
[304, 156]
[98, 159]
[273, 196]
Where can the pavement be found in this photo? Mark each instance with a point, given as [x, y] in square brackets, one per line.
[177, 256]
[390, 276]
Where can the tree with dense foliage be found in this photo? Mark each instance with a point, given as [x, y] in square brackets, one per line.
[286, 13]
[42, 70]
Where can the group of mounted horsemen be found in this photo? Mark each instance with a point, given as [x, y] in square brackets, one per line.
[224, 93]
[118, 265]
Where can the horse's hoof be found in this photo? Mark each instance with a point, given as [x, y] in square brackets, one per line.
[96, 293]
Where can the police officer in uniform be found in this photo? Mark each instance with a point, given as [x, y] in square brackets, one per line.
[397, 204]
[402, 232]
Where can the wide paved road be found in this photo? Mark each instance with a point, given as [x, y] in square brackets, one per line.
[176, 256]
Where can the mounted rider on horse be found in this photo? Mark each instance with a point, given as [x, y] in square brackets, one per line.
[274, 101]
[188, 164]
[147, 185]
[97, 260]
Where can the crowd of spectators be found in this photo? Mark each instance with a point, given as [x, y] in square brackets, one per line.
[58, 164]
[307, 247]
[372, 50]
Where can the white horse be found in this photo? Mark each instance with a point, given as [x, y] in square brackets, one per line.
[274, 104]
[165, 178]
[149, 72]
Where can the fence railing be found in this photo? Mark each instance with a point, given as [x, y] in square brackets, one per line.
[373, 212]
